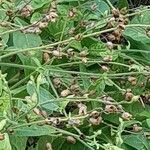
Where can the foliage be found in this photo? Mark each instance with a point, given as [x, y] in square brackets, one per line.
[75, 74]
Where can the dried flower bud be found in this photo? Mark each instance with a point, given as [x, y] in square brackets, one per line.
[94, 7]
[52, 121]
[111, 108]
[105, 68]
[2, 137]
[109, 45]
[136, 128]
[72, 13]
[42, 24]
[78, 37]
[148, 33]
[83, 53]
[48, 146]
[37, 111]
[56, 53]
[132, 80]
[111, 37]
[115, 12]
[56, 82]
[84, 60]
[82, 109]
[126, 116]
[128, 95]
[70, 52]
[26, 11]
[107, 58]
[74, 87]
[72, 31]
[46, 57]
[95, 114]
[71, 140]
[96, 121]
[65, 93]
[74, 122]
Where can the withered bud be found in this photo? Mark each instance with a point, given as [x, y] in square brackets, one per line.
[105, 68]
[111, 37]
[56, 82]
[128, 95]
[115, 12]
[48, 146]
[2, 137]
[82, 109]
[108, 58]
[46, 57]
[95, 114]
[126, 116]
[96, 121]
[136, 128]
[109, 45]
[65, 93]
[71, 140]
[111, 108]
[83, 53]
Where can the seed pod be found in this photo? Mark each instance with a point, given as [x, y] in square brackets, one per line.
[65, 93]
[71, 140]
[105, 68]
[111, 37]
[2, 137]
[111, 108]
[74, 87]
[56, 82]
[37, 111]
[82, 109]
[94, 7]
[56, 53]
[109, 45]
[83, 53]
[42, 25]
[107, 58]
[132, 80]
[128, 95]
[46, 57]
[95, 114]
[136, 128]
[96, 121]
[126, 116]
[84, 60]
[115, 12]
[70, 52]
[48, 146]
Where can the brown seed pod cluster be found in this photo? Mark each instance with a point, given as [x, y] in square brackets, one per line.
[118, 19]
[36, 27]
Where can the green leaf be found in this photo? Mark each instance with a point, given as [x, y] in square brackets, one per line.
[136, 141]
[18, 143]
[23, 41]
[2, 124]
[34, 130]
[5, 144]
[123, 4]
[39, 3]
[36, 17]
